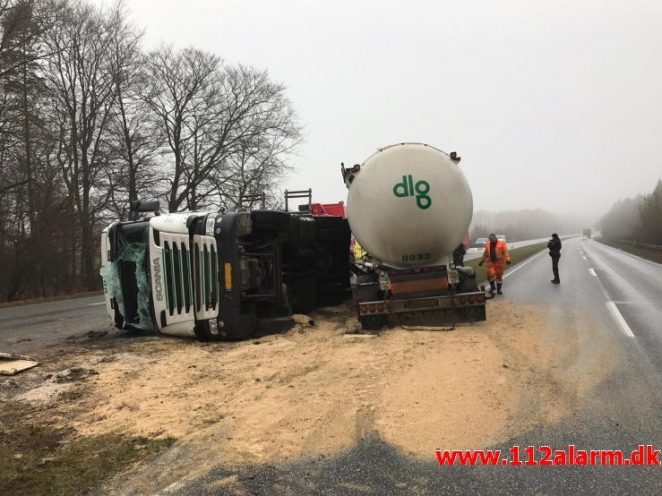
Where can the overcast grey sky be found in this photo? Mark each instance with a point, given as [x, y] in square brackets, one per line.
[551, 104]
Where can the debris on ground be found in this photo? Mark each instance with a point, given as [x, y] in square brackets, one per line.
[74, 374]
[90, 335]
[12, 364]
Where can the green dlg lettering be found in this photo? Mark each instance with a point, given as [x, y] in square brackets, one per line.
[423, 200]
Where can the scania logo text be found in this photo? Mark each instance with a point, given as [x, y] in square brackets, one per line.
[158, 286]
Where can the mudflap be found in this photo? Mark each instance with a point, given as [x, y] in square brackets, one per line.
[471, 314]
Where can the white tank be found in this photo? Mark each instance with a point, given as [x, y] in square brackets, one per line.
[409, 204]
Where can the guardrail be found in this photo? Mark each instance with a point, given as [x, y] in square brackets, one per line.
[634, 244]
[654, 247]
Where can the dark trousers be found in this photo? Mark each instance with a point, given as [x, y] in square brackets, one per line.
[555, 268]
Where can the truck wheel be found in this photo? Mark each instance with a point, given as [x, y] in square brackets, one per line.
[468, 285]
[373, 322]
[472, 314]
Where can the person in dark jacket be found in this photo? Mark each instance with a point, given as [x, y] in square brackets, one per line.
[458, 255]
[554, 247]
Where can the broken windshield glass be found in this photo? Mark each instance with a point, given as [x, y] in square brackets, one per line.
[127, 277]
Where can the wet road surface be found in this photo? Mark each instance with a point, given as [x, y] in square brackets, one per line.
[27, 329]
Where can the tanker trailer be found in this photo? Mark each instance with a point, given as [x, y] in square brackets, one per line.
[409, 206]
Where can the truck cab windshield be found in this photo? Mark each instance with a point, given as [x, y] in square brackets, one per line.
[127, 277]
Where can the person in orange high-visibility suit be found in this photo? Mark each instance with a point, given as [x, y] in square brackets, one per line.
[497, 256]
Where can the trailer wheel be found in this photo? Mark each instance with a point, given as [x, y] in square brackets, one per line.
[373, 322]
[472, 314]
[468, 285]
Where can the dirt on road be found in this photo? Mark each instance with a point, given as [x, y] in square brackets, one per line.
[312, 391]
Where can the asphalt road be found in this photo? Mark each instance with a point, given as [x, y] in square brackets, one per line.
[608, 306]
[28, 329]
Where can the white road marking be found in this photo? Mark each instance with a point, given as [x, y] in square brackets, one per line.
[613, 309]
[96, 304]
[618, 317]
[520, 265]
[592, 272]
[584, 258]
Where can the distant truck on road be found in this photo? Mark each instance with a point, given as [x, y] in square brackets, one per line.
[409, 206]
[586, 232]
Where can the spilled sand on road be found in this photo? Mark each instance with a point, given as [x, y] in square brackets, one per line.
[316, 390]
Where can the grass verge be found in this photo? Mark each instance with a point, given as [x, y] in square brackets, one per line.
[517, 255]
[641, 251]
[39, 458]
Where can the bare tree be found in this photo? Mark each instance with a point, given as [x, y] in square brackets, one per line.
[82, 85]
[260, 132]
[228, 128]
[29, 181]
[136, 140]
[88, 124]
[178, 94]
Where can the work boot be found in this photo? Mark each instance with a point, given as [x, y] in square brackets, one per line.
[555, 281]
[499, 285]
[492, 289]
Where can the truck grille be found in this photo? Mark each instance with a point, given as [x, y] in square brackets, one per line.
[191, 276]
[178, 277]
[205, 266]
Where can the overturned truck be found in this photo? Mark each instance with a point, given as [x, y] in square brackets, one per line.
[221, 275]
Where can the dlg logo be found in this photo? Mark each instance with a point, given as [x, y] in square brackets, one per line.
[420, 190]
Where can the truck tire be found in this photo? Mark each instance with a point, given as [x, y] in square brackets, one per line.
[468, 285]
[472, 314]
[373, 322]
[467, 282]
